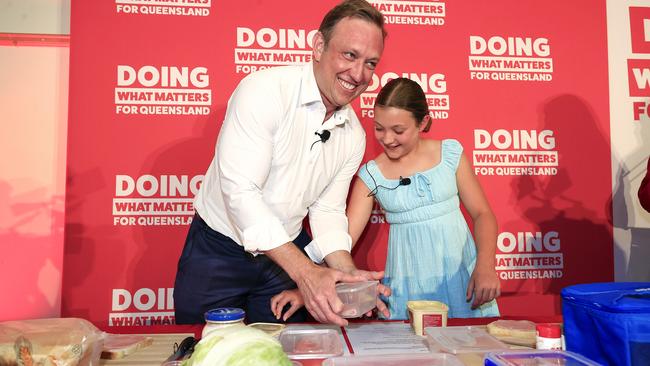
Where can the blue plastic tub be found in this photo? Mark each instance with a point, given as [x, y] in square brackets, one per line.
[608, 322]
[528, 358]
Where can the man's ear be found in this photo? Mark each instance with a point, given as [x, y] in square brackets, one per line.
[319, 46]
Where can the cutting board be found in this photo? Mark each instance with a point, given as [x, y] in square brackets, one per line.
[121, 345]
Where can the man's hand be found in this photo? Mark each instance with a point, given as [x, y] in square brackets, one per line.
[317, 287]
[285, 297]
[484, 285]
[381, 289]
[316, 284]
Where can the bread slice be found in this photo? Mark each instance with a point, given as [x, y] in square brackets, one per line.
[519, 332]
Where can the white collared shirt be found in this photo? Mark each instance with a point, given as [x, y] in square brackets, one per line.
[270, 168]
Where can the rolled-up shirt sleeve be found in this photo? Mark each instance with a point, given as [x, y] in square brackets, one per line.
[244, 153]
[327, 219]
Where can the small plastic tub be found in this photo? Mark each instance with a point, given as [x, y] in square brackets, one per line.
[458, 340]
[524, 358]
[300, 344]
[430, 359]
[358, 297]
[425, 314]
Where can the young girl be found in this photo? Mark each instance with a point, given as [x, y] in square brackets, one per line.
[420, 184]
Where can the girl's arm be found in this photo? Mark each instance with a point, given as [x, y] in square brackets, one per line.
[359, 209]
[484, 284]
[358, 212]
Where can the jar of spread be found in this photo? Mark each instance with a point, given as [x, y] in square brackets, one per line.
[221, 318]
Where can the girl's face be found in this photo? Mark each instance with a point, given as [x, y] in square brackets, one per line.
[397, 131]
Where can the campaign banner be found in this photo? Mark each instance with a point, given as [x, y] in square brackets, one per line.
[526, 94]
[628, 24]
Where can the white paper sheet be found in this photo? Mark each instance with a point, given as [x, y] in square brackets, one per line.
[384, 338]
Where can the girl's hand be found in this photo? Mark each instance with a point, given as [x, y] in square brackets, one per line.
[484, 286]
[285, 297]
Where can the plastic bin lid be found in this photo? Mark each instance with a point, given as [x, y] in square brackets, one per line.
[343, 287]
[301, 344]
[426, 359]
[539, 357]
[631, 297]
[462, 340]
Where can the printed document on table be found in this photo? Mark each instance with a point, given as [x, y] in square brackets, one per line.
[384, 338]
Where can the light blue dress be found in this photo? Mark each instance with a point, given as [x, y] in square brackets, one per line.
[431, 252]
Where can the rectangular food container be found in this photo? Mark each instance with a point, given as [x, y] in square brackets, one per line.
[526, 358]
[425, 314]
[301, 344]
[432, 359]
[358, 297]
[458, 340]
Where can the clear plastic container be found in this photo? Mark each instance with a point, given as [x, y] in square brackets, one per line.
[425, 314]
[301, 344]
[222, 317]
[358, 297]
[431, 359]
[458, 340]
[66, 341]
[539, 357]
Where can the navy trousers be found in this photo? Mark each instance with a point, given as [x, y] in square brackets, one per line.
[214, 271]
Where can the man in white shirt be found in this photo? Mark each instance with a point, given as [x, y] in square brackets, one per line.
[289, 147]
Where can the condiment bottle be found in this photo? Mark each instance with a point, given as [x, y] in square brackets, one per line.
[221, 318]
[549, 336]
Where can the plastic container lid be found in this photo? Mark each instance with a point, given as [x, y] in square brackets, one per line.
[616, 297]
[524, 358]
[224, 314]
[548, 330]
[461, 340]
[301, 344]
[430, 359]
[352, 287]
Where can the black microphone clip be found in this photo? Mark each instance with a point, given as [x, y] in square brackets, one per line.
[324, 136]
[404, 181]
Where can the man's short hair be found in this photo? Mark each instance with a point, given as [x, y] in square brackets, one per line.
[359, 9]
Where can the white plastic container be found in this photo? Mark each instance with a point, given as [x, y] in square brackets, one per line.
[221, 318]
[300, 344]
[431, 359]
[458, 340]
[424, 314]
[358, 297]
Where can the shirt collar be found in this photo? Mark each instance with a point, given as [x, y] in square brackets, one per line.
[309, 93]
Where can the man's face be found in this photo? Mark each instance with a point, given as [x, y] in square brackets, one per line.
[343, 69]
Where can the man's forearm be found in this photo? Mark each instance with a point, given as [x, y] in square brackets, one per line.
[291, 259]
[341, 260]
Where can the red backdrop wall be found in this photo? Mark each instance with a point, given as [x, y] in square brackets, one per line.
[522, 85]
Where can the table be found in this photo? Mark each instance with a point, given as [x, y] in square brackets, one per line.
[163, 345]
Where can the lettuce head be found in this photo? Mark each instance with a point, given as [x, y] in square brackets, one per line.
[238, 345]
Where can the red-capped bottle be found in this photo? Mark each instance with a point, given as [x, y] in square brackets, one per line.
[549, 336]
